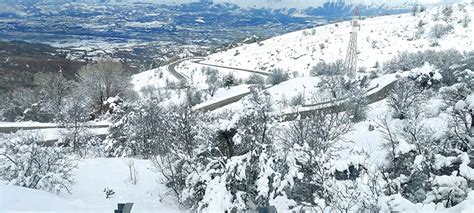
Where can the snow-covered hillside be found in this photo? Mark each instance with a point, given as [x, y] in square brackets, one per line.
[396, 141]
[87, 194]
[379, 39]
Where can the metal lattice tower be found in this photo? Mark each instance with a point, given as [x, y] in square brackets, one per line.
[350, 64]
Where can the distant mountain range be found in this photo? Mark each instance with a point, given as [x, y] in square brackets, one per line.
[145, 35]
[275, 4]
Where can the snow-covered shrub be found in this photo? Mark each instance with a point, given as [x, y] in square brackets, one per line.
[439, 30]
[445, 61]
[333, 85]
[360, 187]
[450, 190]
[26, 161]
[447, 12]
[229, 80]
[328, 69]
[179, 139]
[427, 167]
[152, 92]
[403, 61]
[277, 76]
[194, 96]
[255, 120]
[460, 101]
[309, 172]
[466, 21]
[255, 79]
[297, 100]
[426, 76]
[403, 97]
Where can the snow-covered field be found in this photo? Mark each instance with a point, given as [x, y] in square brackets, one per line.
[156, 78]
[87, 195]
[51, 131]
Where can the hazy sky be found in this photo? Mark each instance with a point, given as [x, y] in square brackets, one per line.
[304, 3]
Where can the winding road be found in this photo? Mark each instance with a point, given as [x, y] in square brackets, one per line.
[199, 61]
[215, 105]
[172, 69]
[302, 113]
[13, 128]
[305, 112]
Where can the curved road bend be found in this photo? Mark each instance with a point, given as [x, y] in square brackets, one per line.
[219, 104]
[372, 98]
[198, 61]
[172, 69]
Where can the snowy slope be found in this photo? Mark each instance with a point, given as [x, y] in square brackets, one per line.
[155, 77]
[379, 39]
[87, 195]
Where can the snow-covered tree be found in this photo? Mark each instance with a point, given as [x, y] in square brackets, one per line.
[76, 135]
[235, 160]
[212, 80]
[334, 85]
[102, 80]
[18, 104]
[137, 130]
[357, 104]
[180, 140]
[26, 161]
[440, 30]
[311, 146]
[53, 88]
[404, 96]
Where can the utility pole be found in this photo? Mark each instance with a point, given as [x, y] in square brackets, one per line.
[350, 64]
